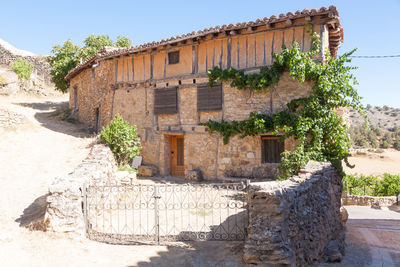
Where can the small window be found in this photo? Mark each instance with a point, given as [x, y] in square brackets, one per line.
[209, 98]
[272, 147]
[173, 57]
[165, 100]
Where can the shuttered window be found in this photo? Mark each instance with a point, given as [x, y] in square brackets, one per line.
[209, 98]
[165, 100]
[272, 147]
[173, 57]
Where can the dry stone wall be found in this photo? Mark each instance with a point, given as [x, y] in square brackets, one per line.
[64, 209]
[296, 222]
[41, 71]
[369, 200]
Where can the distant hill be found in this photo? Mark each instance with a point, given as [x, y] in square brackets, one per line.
[384, 118]
[383, 130]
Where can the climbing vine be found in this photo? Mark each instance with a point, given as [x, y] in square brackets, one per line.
[320, 133]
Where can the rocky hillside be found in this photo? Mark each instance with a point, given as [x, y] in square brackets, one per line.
[384, 118]
[383, 131]
[39, 82]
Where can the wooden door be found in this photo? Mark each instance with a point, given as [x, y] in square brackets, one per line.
[177, 156]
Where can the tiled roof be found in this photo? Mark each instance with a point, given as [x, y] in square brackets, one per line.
[335, 35]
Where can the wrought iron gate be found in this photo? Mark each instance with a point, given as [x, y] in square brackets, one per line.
[166, 212]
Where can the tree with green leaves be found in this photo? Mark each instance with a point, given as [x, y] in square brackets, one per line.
[65, 59]
[68, 56]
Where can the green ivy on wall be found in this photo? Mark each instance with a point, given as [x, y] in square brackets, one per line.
[320, 132]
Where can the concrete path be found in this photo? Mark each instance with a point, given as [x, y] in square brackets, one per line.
[372, 237]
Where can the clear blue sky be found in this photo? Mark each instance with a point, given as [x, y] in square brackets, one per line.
[371, 26]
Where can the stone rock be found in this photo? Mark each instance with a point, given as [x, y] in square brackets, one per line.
[136, 162]
[250, 155]
[376, 205]
[332, 251]
[147, 171]
[193, 175]
[344, 215]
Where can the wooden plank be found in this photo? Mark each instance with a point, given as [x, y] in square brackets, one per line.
[127, 69]
[247, 52]
[116, 71]
[278, 41]
[288, 40]
[221, 54]
[133, 70]
[165, 66]
[213, 58]
[193, 59]
[144, 68]
[228, 53]
[267, 47]
[123, 69]
[272, 47]
[259, 50]
[206, 58]
[151, 66]
[238, 54]
[251, 50]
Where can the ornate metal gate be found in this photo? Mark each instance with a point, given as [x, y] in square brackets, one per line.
[166, 212]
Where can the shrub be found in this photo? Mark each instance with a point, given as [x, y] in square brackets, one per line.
[122, 139]
[22, 68]
[389, 186]
[3, 81]
[372, 186]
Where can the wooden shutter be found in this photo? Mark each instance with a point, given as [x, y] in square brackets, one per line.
[272, 147]
[165, 100]
[209, 98]
[173, 57]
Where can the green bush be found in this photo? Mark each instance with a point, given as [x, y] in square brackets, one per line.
[371, 185]
[3, 80]
[122, 139]
[22, 68]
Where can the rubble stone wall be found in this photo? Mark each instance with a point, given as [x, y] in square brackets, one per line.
[41, 68]
[296, 222]
[368, 200]
[64, 213]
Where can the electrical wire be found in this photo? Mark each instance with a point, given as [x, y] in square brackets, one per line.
[375, 56]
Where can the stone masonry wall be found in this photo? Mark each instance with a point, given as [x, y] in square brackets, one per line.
[64, 209]
[41, 68]
[239, 158]
[296, 222]
[369, 200]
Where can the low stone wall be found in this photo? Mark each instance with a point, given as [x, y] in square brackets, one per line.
[296, 222]
[368, 200]
[64, 204]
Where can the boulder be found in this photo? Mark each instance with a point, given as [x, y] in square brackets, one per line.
[193, 175]
[344, 215]
[147, 171]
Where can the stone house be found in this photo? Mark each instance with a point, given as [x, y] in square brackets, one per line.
[161, 88]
